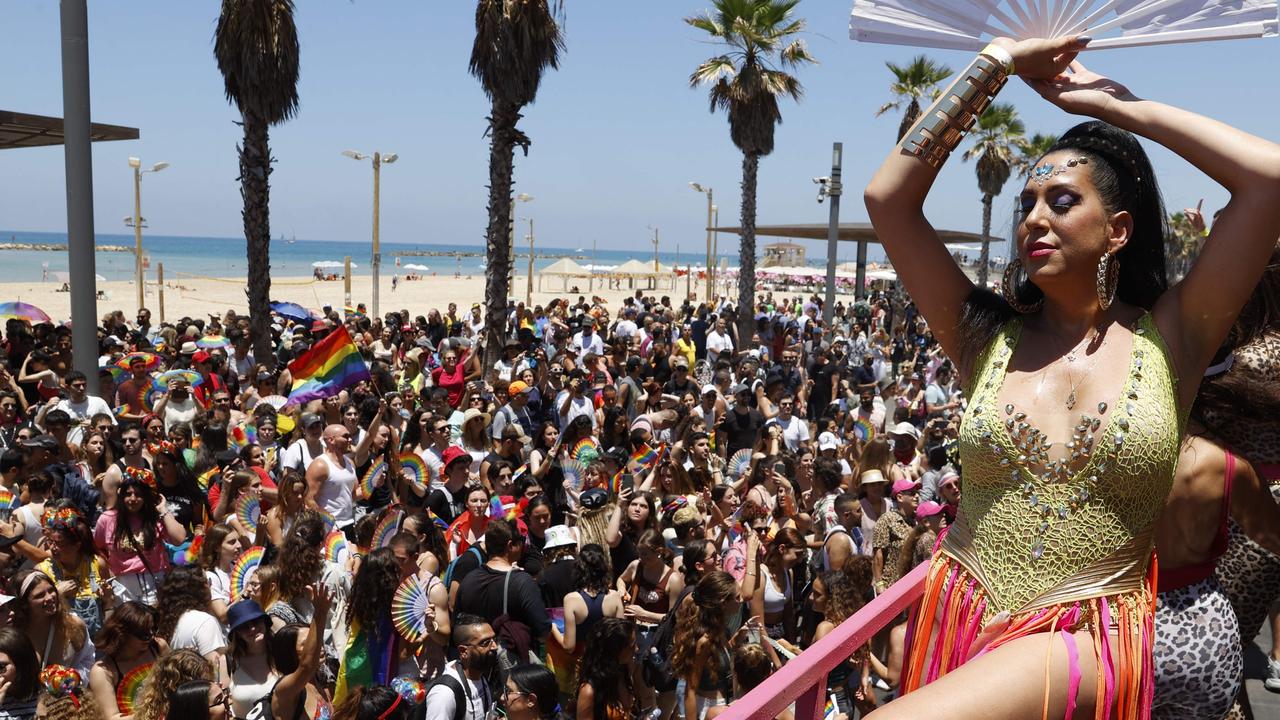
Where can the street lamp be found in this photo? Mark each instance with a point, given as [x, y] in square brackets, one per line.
[136, 164]
[715, 245]
[378, 160]
[511, 265]
[710, 194]
[528, 293]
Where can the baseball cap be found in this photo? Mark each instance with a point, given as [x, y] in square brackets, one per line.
[738, 389]
[928, 508]
[906, 428]
[46, 441]
[681, 363]
[904, 485]
[452, 453]
[309, 419]
[827, 441]
[708, 388]
[201, 356]
[594, 499]
[517, 387]
[558, 536]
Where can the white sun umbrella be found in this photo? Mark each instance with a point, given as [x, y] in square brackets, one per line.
[415, 266]
[331, 264]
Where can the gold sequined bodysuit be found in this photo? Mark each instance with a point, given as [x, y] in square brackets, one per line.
[1074, 554]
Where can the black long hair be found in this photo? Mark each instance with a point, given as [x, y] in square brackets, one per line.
[147, 514]
[600, 667]
[1125, 181]
[190, 701]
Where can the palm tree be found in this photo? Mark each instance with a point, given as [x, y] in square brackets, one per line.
[1181, 246]
[917, 79]
[256, 46]
[516, 41]
[1031, 150]
[746, 81]
[996, 138]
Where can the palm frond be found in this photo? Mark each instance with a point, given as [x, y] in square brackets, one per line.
[712, 70]
[516, 42]
[256, 46]
[891, 105]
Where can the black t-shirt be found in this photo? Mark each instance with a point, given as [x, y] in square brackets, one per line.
[447, 506]
[482, 594]
[620, 557]
[467, 562]
[740, 429]
[181, 505]
[820, 395]
[556, 581]
[677, 388]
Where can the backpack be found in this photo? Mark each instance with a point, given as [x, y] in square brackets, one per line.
[448, 573]
[656, 665]
[459, 695]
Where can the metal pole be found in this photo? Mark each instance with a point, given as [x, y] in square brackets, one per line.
[78, 158]
[377, 249]
[346, 283]
[710, 223]
[137, 236]
[833, 235]
[715, 242]
[528, 293]
[591, 276]
[160, 288]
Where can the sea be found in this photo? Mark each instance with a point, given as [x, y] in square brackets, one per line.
[290, 257]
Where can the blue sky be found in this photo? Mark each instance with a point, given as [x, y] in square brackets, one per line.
[617, 133]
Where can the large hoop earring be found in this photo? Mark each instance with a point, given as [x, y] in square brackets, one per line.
[1009, 289]
[1108, 280]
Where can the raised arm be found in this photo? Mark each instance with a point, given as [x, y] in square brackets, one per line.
[1195, 315]
[896, 194]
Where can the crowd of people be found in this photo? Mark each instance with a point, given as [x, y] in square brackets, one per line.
[634, 513]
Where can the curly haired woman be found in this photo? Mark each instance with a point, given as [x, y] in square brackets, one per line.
[300, 563]
[171, 672]
[186, 619]
[605, 690]
[700, 648]
[65, 696]
[374, 649]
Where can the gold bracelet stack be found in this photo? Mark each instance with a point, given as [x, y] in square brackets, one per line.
[941, 128]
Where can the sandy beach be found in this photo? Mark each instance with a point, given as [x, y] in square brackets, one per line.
[197, 296]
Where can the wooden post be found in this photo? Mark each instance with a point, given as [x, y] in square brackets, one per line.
[346, 282]
[160, 292]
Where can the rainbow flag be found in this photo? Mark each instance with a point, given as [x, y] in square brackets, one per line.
[329, 366]
[615, 483]
[646, 456]
[440, 523]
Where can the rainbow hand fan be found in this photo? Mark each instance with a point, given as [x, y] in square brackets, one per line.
[409, 608]
[739, 463]
[387, 527]
[864, 429]
[245, 566]
[574, 475]
[8, 501]
[416, 471]
[970, 24]
[585, 450]
[372, 478]
[248, 511]
[129, 691]
[335, 547]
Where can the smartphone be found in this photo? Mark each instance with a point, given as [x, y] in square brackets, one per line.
[628, 481]
[780, 468]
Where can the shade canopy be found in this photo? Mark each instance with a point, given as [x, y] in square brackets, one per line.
[851, 232]
[565, 266]
[19, 130]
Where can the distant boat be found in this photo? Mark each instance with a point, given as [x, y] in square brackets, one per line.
[580, 250]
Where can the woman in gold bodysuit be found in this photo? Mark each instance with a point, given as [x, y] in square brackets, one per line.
[1040, 598]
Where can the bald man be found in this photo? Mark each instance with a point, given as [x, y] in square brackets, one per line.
[331, 479]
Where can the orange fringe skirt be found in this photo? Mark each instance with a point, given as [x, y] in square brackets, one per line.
[958, 603]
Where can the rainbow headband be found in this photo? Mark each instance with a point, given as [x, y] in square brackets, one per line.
[140, 475]
[61, 519]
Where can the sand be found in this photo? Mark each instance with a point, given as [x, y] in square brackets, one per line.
[195, 297]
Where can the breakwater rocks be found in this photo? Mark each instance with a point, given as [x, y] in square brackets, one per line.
[54, 247]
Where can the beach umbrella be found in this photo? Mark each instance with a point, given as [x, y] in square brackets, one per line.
[415, 266]
[192, 377]
[213, 342]
[151, 359]
[292, 311]
[24, 311]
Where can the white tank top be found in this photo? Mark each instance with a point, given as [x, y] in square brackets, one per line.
[335, 495]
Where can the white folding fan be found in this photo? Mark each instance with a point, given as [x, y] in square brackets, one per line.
[970, 24]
